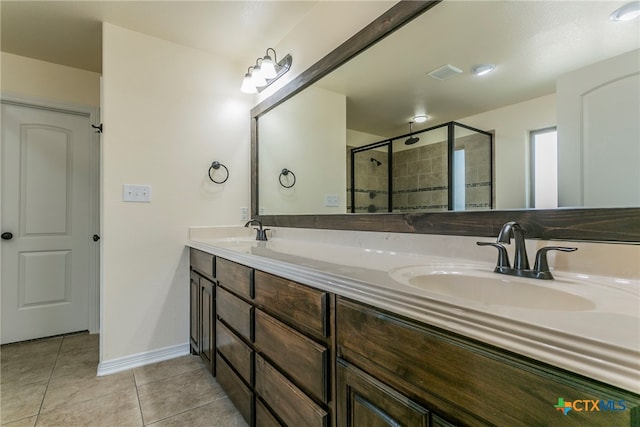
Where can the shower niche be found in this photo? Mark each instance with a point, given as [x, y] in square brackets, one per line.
[445, 167]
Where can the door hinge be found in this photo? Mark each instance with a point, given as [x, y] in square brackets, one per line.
[98, 128]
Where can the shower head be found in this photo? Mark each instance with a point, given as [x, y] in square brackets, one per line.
[376, 161]
[412, 139]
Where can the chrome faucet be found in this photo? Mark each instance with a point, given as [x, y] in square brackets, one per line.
[261, 234]
[520, 260]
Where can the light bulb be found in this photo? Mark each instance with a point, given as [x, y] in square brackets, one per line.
[247, 84]
[257, 78]
[268, 68]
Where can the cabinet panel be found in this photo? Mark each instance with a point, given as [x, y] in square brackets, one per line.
[304, 360]
[235, 277]
[207, 325]
[202, 262]
[239, 355]
[235, 313]
[366, 402]
[264, 418]
[469, 382]
[436, 421]
[296, 304]
[238, 392]
[194, 312]
[287, 400]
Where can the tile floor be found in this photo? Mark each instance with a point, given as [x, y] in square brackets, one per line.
[53, 382]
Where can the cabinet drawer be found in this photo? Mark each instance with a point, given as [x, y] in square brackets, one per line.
[202, 262]
[264, 418]
[235, 313]
[239, 355]
[237, 391]
[288, 401]
[304, 360]
[235, 277]
[298, 305]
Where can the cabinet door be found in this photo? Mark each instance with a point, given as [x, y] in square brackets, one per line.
[207, 325]
[364, 401]
[194, 313]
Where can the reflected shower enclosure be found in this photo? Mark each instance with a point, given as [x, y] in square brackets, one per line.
[449, 167]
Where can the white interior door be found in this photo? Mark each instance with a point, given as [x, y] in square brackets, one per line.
[46, 207]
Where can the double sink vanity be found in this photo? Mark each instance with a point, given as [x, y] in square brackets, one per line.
[338, 328]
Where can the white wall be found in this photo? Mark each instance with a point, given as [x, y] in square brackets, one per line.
[598, 135]
[168, 112]
[512, 125]
[45, 80]
[307, 135]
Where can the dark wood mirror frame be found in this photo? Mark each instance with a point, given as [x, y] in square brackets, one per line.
[594, 224]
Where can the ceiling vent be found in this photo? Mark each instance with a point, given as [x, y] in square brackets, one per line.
[445, 72]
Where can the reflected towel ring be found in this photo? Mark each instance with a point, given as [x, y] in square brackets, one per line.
[217, 165]
[286, 172]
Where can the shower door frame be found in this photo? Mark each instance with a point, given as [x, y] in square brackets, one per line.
[450, 149]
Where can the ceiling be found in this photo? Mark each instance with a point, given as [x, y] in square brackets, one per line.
[69, 32]
[531, 43]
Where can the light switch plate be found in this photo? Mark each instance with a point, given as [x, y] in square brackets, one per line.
[244, 213]
[136, 193]
[331, 200]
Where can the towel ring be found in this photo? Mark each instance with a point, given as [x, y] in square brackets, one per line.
[215, 166]
[286, 172]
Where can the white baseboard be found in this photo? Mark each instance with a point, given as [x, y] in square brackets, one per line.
[141, 359]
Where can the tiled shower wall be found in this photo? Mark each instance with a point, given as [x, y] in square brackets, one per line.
[371, 181]
[420, 178]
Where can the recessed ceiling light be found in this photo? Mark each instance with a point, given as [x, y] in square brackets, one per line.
[626, 12]
[421, 118]
[482, 69]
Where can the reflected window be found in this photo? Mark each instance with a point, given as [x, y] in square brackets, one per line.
[544, 168]
[459, 181]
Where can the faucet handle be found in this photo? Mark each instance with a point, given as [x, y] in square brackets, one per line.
[541, 265]
[503, 256]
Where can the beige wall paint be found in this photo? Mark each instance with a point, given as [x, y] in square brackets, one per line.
[169, 111]
[44, 80]
[307, 135]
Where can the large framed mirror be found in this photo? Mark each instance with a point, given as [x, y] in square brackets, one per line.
[312, 124]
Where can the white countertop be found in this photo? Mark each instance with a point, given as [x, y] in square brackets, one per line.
[600, 340]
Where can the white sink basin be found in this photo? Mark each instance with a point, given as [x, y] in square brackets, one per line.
[489, 288]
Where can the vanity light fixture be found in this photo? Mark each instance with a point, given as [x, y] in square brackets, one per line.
[482, 69]
[421, 118]
[627, 12]
[265, 71]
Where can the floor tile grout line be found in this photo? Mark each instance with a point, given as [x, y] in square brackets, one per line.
[138, 397]
[48, 382]
[186, 410]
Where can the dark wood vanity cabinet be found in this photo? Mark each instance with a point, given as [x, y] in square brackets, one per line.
[293, 351]
[202, 307]
[461, 381]
[291, 355]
